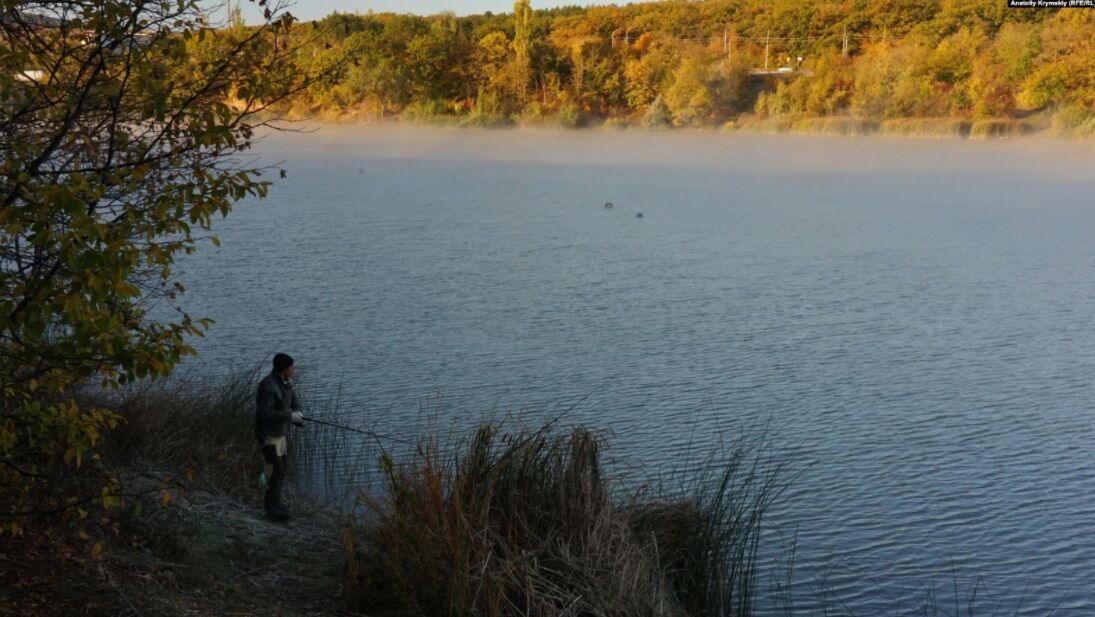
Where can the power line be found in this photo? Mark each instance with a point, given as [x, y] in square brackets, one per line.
[730, 38]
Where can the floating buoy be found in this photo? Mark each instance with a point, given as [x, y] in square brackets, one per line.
[608, 205]
[639, 215]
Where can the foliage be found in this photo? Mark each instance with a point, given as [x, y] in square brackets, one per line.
[200, 426]
[116, 157]
[904, 58]
[657, 115]
[1074, 121]
[569, 116]
[690, 98]
[522, 26]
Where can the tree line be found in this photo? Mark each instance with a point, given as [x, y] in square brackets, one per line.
[696, 63]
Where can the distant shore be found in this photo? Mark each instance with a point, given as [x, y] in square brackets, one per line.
[848, 126]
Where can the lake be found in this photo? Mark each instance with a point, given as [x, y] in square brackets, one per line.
[912, 321]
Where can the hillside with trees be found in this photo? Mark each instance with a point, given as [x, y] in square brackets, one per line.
[760, 62]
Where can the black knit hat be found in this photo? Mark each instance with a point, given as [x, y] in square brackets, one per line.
[282, 361]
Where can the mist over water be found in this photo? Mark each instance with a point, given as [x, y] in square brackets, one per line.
[911, 319]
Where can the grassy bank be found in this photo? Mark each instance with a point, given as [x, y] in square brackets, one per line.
[166, 519]
[200, 425]
[922, 128]
[1064, 125]
[489, 522]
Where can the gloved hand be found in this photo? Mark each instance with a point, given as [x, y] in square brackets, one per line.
[298, 418]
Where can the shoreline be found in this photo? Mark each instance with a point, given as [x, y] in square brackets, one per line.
[936, 129]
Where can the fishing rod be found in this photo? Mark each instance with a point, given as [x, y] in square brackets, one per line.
[376, 436]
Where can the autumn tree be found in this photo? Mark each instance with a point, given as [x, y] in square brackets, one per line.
[522, 32]
[122, 137]
[690, 97]
[882, 59]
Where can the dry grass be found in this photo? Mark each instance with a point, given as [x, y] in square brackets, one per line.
[200, 426]
[999, 128]
[831, 125]
[524, 523]
[932, 128]
[836, 126]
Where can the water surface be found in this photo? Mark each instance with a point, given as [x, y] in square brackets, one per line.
[912, 319]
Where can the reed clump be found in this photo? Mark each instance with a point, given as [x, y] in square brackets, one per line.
[526, 523]
[933, 128]
[999, 128]
[836, 125]
[794, 123]
[771, 124]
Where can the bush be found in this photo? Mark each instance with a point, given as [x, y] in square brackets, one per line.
[657, 115]
[617, 122]
[427, 111]
[1074, 121]
[690, 98]
[487, 111]
[202, 426]
[97, 211]
[569, 116]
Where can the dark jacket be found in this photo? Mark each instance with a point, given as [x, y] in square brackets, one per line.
[274, 406]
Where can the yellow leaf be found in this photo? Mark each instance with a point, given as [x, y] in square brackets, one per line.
[84, 536]
[95, 550]
[165, 498]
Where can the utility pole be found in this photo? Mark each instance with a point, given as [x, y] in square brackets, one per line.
[767, 40]
[845, 52]
[726, 42]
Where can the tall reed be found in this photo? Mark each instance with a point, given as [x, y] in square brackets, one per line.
[526, 523]
[836, 125]
[999, 128]
[936, 128]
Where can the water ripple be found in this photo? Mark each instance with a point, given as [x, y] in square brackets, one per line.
[924, 361]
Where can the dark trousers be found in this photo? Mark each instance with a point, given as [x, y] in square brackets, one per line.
[272, 499]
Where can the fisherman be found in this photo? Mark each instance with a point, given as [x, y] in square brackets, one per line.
[276, 406]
